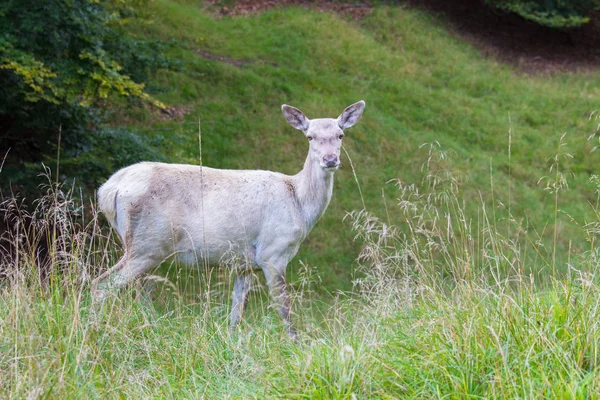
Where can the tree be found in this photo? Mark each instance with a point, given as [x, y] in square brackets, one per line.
[58, 60]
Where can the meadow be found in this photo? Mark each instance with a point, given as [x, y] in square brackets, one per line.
[458, 257]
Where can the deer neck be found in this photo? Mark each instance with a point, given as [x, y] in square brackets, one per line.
[314, 187]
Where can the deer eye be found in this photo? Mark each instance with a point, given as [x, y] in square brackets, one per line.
[341, 136]
[309, 138]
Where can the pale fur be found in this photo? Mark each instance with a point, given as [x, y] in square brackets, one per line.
[206, 214]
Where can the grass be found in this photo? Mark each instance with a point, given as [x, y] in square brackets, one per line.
[449, 309]
[472, 274]
[422, 85]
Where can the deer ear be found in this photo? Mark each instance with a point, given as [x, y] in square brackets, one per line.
[351, 115]
[295, 117]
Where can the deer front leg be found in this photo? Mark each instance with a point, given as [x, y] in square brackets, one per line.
[277, 287]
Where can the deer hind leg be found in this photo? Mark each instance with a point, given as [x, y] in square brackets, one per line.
[242, 286]
[124, 271]
[99, 289]
[241, 289]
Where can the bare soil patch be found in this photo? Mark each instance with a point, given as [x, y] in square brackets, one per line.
[213, 57]
[242, 7]
[227, 60]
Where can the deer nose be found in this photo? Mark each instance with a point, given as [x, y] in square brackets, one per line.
[330, 160]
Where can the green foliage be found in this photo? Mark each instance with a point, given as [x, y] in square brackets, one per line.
[80, 38]
[551, 13]
[35, 76]
[58, 60]
[106, 79]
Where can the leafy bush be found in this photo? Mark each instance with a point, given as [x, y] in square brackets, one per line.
[551, 13]
[58, 59]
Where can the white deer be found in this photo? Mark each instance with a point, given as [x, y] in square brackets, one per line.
[202, 213]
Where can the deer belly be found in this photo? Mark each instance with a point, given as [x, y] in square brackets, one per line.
[197, 246]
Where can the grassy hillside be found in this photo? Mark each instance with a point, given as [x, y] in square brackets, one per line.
[425, 91]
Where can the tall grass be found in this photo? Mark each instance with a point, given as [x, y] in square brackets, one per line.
[449, 307]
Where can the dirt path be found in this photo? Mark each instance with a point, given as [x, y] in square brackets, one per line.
[355, 10]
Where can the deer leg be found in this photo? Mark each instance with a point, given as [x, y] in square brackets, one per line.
[277, 287]
[99, 291]
[241, 288]
[124, 271]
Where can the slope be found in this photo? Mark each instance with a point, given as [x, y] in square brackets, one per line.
[438, 113]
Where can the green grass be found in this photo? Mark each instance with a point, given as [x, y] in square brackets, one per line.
[473, 274]
[422, 85]
[445, 311]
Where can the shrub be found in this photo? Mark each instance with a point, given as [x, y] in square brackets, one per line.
[551, 13]
[58, 59]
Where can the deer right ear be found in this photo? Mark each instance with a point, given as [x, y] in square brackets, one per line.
[295, 117]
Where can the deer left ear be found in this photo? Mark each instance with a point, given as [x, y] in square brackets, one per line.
[351, 115]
